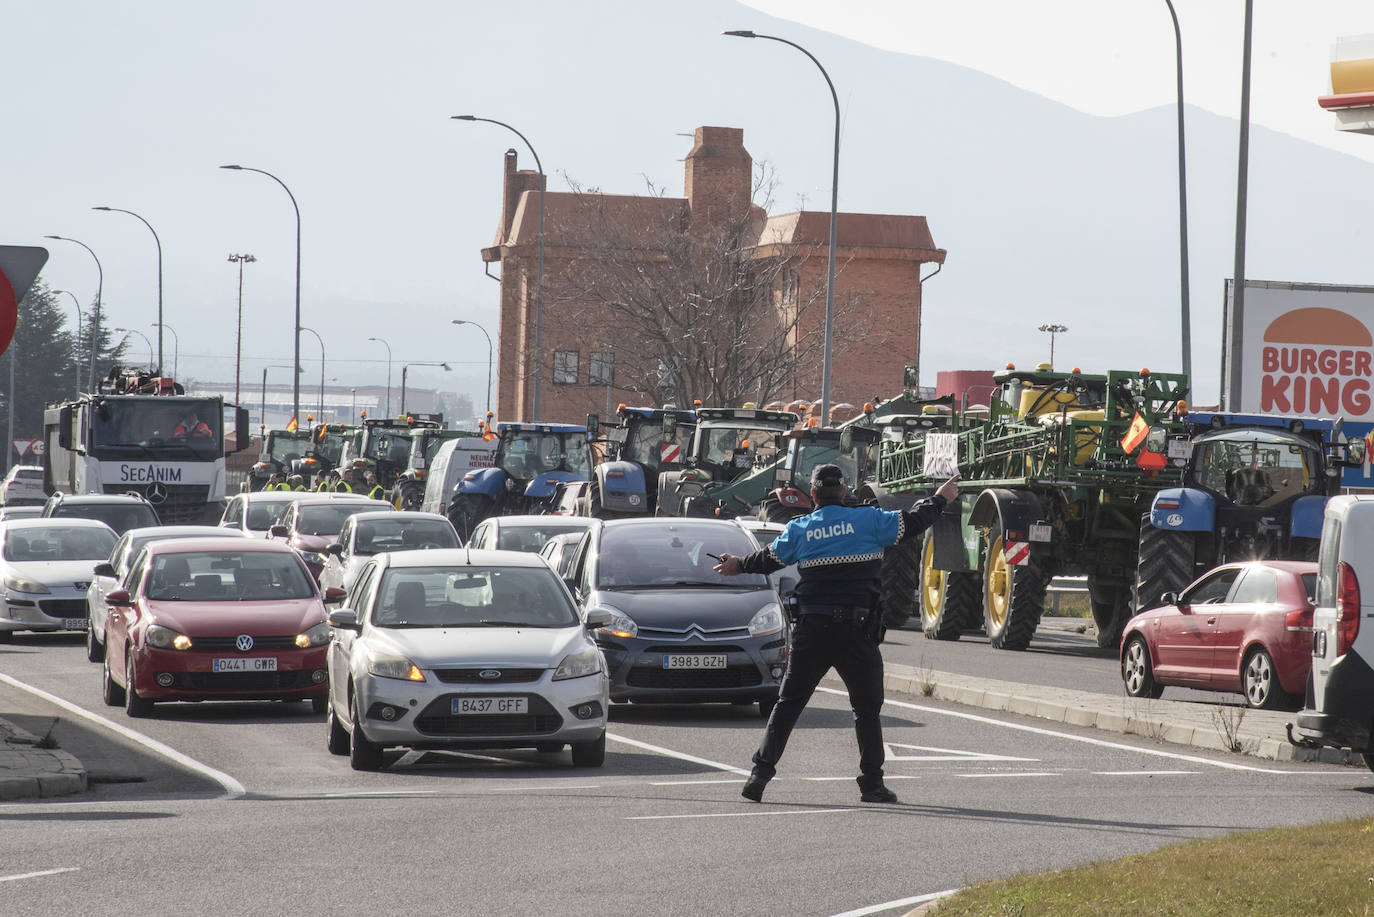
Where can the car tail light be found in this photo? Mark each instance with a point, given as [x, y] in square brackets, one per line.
[1347, 608]
[1300, 620]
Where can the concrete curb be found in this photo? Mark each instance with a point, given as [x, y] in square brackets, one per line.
[27, 771]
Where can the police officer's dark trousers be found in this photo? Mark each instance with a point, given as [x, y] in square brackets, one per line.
[821, 641]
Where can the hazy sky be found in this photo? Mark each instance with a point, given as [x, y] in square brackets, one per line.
[135, 104]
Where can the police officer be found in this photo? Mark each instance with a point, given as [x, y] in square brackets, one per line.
[838, 550]
[375, 490]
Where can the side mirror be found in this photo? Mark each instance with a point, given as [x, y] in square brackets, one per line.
[105, 569]
[1355, 451]
[343, 619]
[64, 428]
[1169, 598]
[278, 531]
[118, 598]
[334, 595]
[1156, 440]
[669, 428]
[593, 426]
[847, 441]
[335, 549]
[596, 620]
[243, 433]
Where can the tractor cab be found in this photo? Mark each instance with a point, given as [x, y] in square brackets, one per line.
[280, 451]
[728, 443]
[637, 448]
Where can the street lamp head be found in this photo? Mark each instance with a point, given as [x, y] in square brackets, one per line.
[740, 33]
[459, 321]
[59, 238]
[101, 208]
[462, 117]
[231, 167]
[445, 366]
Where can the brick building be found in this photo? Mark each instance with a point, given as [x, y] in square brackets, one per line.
[596, 246]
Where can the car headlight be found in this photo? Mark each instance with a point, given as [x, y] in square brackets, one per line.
[578, 665]
[318, 635]
[311, 557]
[164, 638]
[394, 667]
[768, 620]
[621, 625]
[26, 585]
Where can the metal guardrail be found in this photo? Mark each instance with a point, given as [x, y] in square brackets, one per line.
[1064, 585]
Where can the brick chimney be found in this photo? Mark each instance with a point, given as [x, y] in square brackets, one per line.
[720, 176]
[513, 184]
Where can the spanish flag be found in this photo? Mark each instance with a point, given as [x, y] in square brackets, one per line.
[1135, 435]
[292, 426]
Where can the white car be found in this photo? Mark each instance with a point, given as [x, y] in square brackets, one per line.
[254, 513]
[368, 534]
[464, 649]
[786, 579]
[23, 486]
[109, 575]
[45, 568]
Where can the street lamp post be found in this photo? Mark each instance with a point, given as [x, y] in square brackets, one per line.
[145, 338]
[95, 322]
[296, 377]
[176, 348]
[539, 270]
[238, 335]
[159, 273]
[262, 416]
[77, 362]
[321, 343]
[1053, 329]
[406, 366]
[463, 321]
[834, 217]
[388, 373]
[1187, 339]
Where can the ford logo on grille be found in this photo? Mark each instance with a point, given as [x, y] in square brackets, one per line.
[489, 674]
[244, 643]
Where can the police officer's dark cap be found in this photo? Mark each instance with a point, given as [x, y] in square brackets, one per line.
[827, 476]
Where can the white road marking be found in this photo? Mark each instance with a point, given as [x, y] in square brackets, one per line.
[1024, 774]
[893, 905]
[1087, 740]
[946, 754]
[737, 814]
[35, 875]
[688, 782]
[1142, 773]
[848, 779]
[658, 749]
[232, 788]
[536, 789]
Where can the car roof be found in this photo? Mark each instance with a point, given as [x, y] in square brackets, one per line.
[316, 498]
[217, 543]
[184, 531]
[459, 557]
[661, 521]
[392, 513]
[265, 495]
[542, 520]
[130, 499]
[49, 522]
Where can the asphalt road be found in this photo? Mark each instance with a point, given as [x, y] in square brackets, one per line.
[660, 829]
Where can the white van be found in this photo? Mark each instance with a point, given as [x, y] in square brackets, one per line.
[1339, 710]
[454, 459]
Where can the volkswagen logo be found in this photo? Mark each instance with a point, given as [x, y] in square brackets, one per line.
[157, 492]
[244, 643]
[489, 674]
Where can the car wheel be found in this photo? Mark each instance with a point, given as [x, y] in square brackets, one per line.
[548, 748]
[319, 704]
[1136, 671]
[133, 704]
[363, 754]
[589, 754]
[110, 690]
[337, 743]
[1260, 682]
[95, 649]
[766, 706]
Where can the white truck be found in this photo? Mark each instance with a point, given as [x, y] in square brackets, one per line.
[132, 436]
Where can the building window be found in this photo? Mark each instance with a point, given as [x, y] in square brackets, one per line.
[601, 369]
[565, 367]
[669, 374]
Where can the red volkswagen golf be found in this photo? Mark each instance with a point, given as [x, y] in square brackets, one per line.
[1243, 628]
[216, 619]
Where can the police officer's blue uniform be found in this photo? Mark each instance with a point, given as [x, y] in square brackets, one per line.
[839, 552]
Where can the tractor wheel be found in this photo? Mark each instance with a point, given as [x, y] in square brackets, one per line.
[466, 511]
[949, 601]
[901, 577]
[1111, 607]
[411, 495]
[1013, 598]
[1165, 564]
[595, 508]
[669, 503]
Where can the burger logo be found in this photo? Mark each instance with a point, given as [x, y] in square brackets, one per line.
[1316, 361]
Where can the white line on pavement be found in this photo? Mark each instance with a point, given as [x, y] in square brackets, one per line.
[35, 875]
[737, 814]
[1142, 773]
[658, 749]
[1087, 740]
[232, 788]
[688, 782]
[893, 905]
[1024, 774]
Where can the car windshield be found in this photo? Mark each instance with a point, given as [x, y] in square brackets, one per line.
[289, 445]
[676, 554]
[1254, 467]
[327, 519]
[262, 513]
[529, 453]
[532, 538]
[119, 516]
[404, 533]
[228, 576]
[48, 543]
[472, 596]
[158, 426]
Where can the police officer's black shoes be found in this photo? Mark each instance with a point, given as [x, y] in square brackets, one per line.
[753, 787]
[879, 793]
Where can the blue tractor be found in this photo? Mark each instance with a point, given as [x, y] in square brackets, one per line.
[532, 459]
[1254, 487]
[643, 442]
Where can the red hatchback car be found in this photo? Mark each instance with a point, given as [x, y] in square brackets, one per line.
[1243, 628]
[216, 619]
[312, 524]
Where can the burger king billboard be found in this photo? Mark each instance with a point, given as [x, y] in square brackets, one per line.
[1301, 349]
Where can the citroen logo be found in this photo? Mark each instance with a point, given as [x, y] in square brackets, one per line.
[81, 586]
[489, 674]
[157, 492]
[244, 643]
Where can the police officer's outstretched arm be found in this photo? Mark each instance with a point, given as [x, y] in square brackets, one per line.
[923, 513]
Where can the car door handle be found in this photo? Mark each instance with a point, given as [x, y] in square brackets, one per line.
[1211, 620]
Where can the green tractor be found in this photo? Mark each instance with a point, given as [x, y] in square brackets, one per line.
[728, 443]
[280, 451]
[408, 492]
